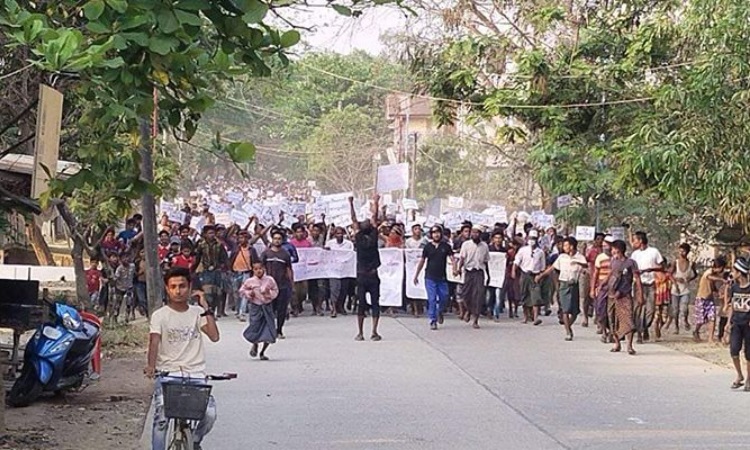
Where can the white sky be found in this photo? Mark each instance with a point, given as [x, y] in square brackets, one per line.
[334, 32]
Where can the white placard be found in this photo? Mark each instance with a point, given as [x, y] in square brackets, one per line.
[546, 221]
[449, 273]
[317, 264]
[315, 193]
[455, 202]
[409, 204]
[176, 216]
[386, 200]
[166, 207]
[497, 269]
[391, 273]
[223, 218]
[394, 177]
[197, 223]
[618, 233]
[240, 217]
[585, 233]
[414, 291]
[311, 184]
[564, 201]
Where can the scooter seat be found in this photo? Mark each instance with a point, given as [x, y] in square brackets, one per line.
[88, 332]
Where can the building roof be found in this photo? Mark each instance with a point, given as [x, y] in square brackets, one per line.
[403, 105]
[24, 164]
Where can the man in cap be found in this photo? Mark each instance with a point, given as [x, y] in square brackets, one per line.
[530, 262]
[436, 255]
[474, 261]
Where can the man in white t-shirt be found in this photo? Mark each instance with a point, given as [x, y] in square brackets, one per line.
[649, 260]
[175, 350]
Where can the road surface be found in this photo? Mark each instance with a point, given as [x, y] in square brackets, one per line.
[507, 385]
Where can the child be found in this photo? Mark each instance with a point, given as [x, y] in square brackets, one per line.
[93, 282]
[185, 259]
[124, 276]
[260, 291]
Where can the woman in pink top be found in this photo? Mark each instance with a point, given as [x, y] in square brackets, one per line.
[260, 290]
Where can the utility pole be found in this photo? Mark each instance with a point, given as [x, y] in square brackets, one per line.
[153, 272]
[413, 187]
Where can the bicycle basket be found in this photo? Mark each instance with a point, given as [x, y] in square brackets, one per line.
[185, 401]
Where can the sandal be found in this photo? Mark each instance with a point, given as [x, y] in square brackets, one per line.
[737, 384]
[263, 358]
[375, 337]
[359, 337]
[631, 352]
[615, 350]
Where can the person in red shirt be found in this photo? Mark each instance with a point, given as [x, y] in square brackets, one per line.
[163, 247]
[93, 282]
[185, 259]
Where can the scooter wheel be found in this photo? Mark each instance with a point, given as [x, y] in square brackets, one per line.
[26, 389]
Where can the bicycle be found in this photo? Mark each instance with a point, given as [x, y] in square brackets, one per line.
[185, 403]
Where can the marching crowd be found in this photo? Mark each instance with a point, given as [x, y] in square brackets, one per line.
[628, 290]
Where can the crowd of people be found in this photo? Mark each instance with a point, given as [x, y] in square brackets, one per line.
[626, 288]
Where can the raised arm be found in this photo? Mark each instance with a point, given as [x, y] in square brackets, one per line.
[353, 214]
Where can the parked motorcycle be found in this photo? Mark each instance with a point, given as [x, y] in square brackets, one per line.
[57, 358]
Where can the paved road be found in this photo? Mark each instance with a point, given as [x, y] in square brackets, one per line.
[507, 385]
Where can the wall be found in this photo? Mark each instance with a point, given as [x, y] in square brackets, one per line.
[40, 273]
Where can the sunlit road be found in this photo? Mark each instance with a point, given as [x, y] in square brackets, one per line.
[507, 385]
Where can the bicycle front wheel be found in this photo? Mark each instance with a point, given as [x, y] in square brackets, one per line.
[180, 436]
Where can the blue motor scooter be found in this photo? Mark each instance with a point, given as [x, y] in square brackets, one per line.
[57, 358]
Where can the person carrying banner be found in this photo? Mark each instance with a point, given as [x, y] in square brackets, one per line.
[368, 262]
[436, 255]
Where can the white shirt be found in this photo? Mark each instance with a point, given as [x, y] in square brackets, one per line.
[475, 256]
[415, 243]
[570, 266]
[181, 345]
[650, 258]
[344, 245]
[529, 260]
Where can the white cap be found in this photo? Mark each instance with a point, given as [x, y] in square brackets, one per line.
[609, 239]
[533, 234]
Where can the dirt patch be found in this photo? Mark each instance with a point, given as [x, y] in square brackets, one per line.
[108, 414]
[716, 353]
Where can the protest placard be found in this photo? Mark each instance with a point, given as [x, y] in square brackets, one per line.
[176, 216]
[585, 233]
[239, 217]
[497, 266]
[197, 223]
[391, 273]
[409, 204]
[393, 177]
[414, 291]
[618, 233]
[455, 202]
[564, 201]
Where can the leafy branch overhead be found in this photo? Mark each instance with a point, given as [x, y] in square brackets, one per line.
[619, 100]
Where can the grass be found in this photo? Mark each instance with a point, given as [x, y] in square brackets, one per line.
[122, 339]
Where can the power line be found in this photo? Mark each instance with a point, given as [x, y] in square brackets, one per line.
[465, 102]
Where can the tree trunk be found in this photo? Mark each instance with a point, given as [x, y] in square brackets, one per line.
[41, 249]
[82, 291]
[153, 271]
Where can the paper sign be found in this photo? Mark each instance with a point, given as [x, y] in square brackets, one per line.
[240, 217]
[585, 233]
[391, 274]
[455, 202]
[197, 223]
[166, 207]
[176, 216]
[546, 221]
[409, 204]
[497, 266]
[315, 193]
[449, 274]
[223, 218]
[311, 184]
[564, 201]
[386, 200]
[394, 177]
[618, 233]
[413, 291]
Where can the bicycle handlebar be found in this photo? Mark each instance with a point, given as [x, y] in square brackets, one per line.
[222, 377]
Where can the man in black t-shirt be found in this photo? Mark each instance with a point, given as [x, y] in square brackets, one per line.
[739, 334]
[278, 265]
[368, 262]
[436, 255]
